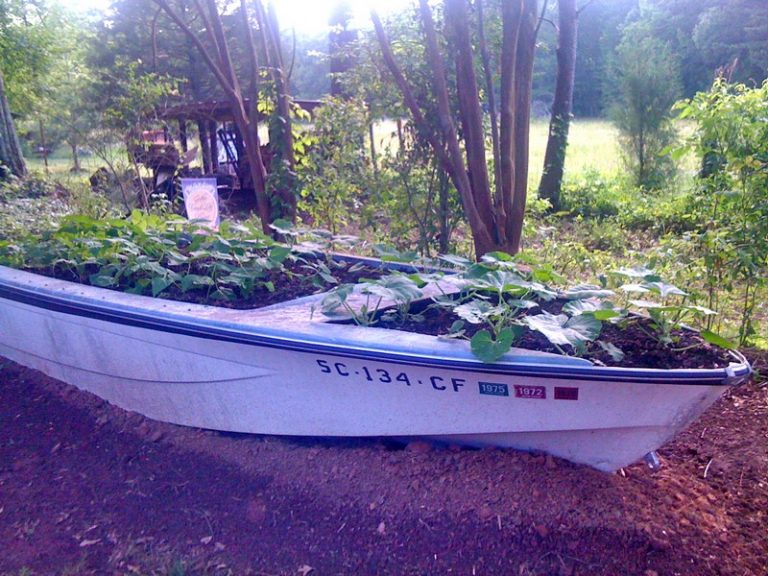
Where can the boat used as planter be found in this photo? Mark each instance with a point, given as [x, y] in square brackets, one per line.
[285, 370]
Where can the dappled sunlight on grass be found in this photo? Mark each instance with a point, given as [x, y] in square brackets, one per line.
[592, 146]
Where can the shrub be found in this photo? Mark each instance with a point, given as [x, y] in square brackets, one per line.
[648, 85]
[730, 204]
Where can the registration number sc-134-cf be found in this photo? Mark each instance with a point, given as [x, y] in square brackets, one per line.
[442, 383]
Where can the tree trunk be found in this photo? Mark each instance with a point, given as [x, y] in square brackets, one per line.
[559, 123]
[205, 146]
[76, 167]
[217, 58]
[43, 145]
[280, 130]
[496, 220]
[10, 149]
[523, 88]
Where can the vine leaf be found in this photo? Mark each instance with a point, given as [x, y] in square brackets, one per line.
[489, 350]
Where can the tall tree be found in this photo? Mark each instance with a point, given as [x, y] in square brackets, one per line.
[648, 82]
[340, 39]
[27, 44]
[560, 120]
[599, 33]
[10, 150]
[277, 200]
[495, 213]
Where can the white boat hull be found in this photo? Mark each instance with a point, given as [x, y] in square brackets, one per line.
[278, 370]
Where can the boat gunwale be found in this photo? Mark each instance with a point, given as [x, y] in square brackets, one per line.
[324, 338]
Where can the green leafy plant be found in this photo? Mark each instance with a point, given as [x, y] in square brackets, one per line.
[669, 311]
[365, 301]
[730, 202]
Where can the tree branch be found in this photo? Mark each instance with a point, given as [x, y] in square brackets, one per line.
[584, 7]
[541, 18]
[489, 88]
[215, 69]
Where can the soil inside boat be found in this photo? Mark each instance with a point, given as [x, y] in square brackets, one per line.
[299, 278]
[639, 349]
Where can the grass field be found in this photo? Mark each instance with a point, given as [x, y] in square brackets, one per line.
[593, 146]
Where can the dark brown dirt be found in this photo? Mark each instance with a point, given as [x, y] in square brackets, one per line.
[88, 489]
[633, 337]
[300, 278]
[294, 280]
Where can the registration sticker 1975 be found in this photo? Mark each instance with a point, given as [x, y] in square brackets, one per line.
[493, 389]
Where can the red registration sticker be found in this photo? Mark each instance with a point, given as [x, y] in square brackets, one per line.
[565, 393]
[533, 392]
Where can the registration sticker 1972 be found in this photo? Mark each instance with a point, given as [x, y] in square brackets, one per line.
[531, 392]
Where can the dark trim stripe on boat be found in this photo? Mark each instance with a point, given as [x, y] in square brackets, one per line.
[261, 336]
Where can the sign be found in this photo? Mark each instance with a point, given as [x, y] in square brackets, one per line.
[201, 200]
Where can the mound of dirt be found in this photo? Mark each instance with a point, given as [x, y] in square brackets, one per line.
[87, 488]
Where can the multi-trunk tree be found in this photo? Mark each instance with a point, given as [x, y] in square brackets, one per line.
[275, 196]
[493, 200]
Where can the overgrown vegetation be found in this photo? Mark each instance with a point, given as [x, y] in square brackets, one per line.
[367, 165]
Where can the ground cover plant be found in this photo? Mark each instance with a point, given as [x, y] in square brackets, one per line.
[497, 303]
[501, 302]
[173, 258]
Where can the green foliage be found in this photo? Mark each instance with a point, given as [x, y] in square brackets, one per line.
[413, 185]
[648, 84]
[593, 195]
[152, 255]
[29, 35]
[730, 202]
[335, 175]
[364, 302]
[669, 310]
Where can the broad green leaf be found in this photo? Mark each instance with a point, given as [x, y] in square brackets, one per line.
[489, 350]
[192, 281]
[336, 298]
[717, 340]
[613, 351]
[523, 304]
[562, 330]
[602, 310]
[279, 254]
[457, 261]
[496, 257]
[159, 284]
[477, 311]
[634, 288]
[283, 227]
[636, 272]
[699, 310]
[587, 291]
[102, 281]
[664, 289]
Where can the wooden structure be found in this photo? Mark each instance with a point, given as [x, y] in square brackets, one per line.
[221, 146]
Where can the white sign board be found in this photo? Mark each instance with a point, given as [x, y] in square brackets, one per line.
[201, 200]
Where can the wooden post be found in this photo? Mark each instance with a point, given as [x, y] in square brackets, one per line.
[214, 146]
[205, 147]
[183, 135]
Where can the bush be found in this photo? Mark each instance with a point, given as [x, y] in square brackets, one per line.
[593, 196]
[335, 173]
[648, 82]
[730, 206]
